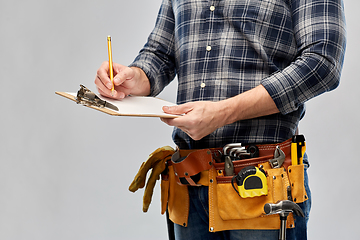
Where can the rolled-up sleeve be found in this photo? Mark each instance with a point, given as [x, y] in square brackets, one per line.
[319, 30]
[157, 58]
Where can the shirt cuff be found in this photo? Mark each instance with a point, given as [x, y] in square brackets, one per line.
[282, 93]
[154, 90]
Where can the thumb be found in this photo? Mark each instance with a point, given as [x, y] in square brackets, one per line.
[178, 109]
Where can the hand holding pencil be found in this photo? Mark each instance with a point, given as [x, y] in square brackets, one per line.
[116, 81]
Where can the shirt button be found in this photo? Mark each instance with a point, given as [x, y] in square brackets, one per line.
[208, 48]
[212, 8]
[202, 85]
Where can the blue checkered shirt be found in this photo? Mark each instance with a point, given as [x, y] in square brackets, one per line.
[221, 48]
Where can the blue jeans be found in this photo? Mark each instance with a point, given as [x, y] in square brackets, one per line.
[198, 222]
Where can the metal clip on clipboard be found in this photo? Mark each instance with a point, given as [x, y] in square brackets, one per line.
[86, 97]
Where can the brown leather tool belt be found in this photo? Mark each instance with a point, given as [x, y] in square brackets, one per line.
[188, 164]
[228, 210]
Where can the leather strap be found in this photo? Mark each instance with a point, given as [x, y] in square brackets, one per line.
[188, 163]
[194, 163]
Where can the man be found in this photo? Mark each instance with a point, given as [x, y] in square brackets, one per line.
[245, 69]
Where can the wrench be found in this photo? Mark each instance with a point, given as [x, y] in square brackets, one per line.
[279, 158]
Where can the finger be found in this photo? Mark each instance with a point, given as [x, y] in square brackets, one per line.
[166, 120]
[122, 73]
[102, 75]
[149, 189]
[104, 84]
[106, 93]
[112, 94]
[139, 179]
[102, 89]
[175, 122]
[179, 109]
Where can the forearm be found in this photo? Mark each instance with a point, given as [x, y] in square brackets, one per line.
[203, 117]
[319, 29]
[251, 104]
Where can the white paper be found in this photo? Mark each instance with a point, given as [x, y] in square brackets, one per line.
[139, 106]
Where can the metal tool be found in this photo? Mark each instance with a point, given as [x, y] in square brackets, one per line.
[86, 97]
[283, 208]
[229, 146]
[279, 158]
[239, 152]
[235, 150]
[228, 166]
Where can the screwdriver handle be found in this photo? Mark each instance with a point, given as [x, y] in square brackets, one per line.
[298, 147]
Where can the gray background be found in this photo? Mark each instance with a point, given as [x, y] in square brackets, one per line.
[65, 169]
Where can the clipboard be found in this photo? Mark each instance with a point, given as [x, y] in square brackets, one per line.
[132, 106]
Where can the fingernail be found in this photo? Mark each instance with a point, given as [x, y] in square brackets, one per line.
[116, 81]
[122, 95]
[109, 85]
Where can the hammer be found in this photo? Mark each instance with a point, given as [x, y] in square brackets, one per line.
[283, 208]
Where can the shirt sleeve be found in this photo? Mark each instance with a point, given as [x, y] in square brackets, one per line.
[157, 58]
[319, 29]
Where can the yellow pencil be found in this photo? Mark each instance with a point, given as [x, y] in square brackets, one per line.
[111, 71]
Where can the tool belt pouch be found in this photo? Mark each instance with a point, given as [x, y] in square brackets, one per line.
[284, 183]
[296, 178]
[181, 172]
[188, 169]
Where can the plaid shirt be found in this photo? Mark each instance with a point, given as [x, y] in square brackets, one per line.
[222, 48]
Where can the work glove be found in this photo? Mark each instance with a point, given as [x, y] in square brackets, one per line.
[156, 162]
